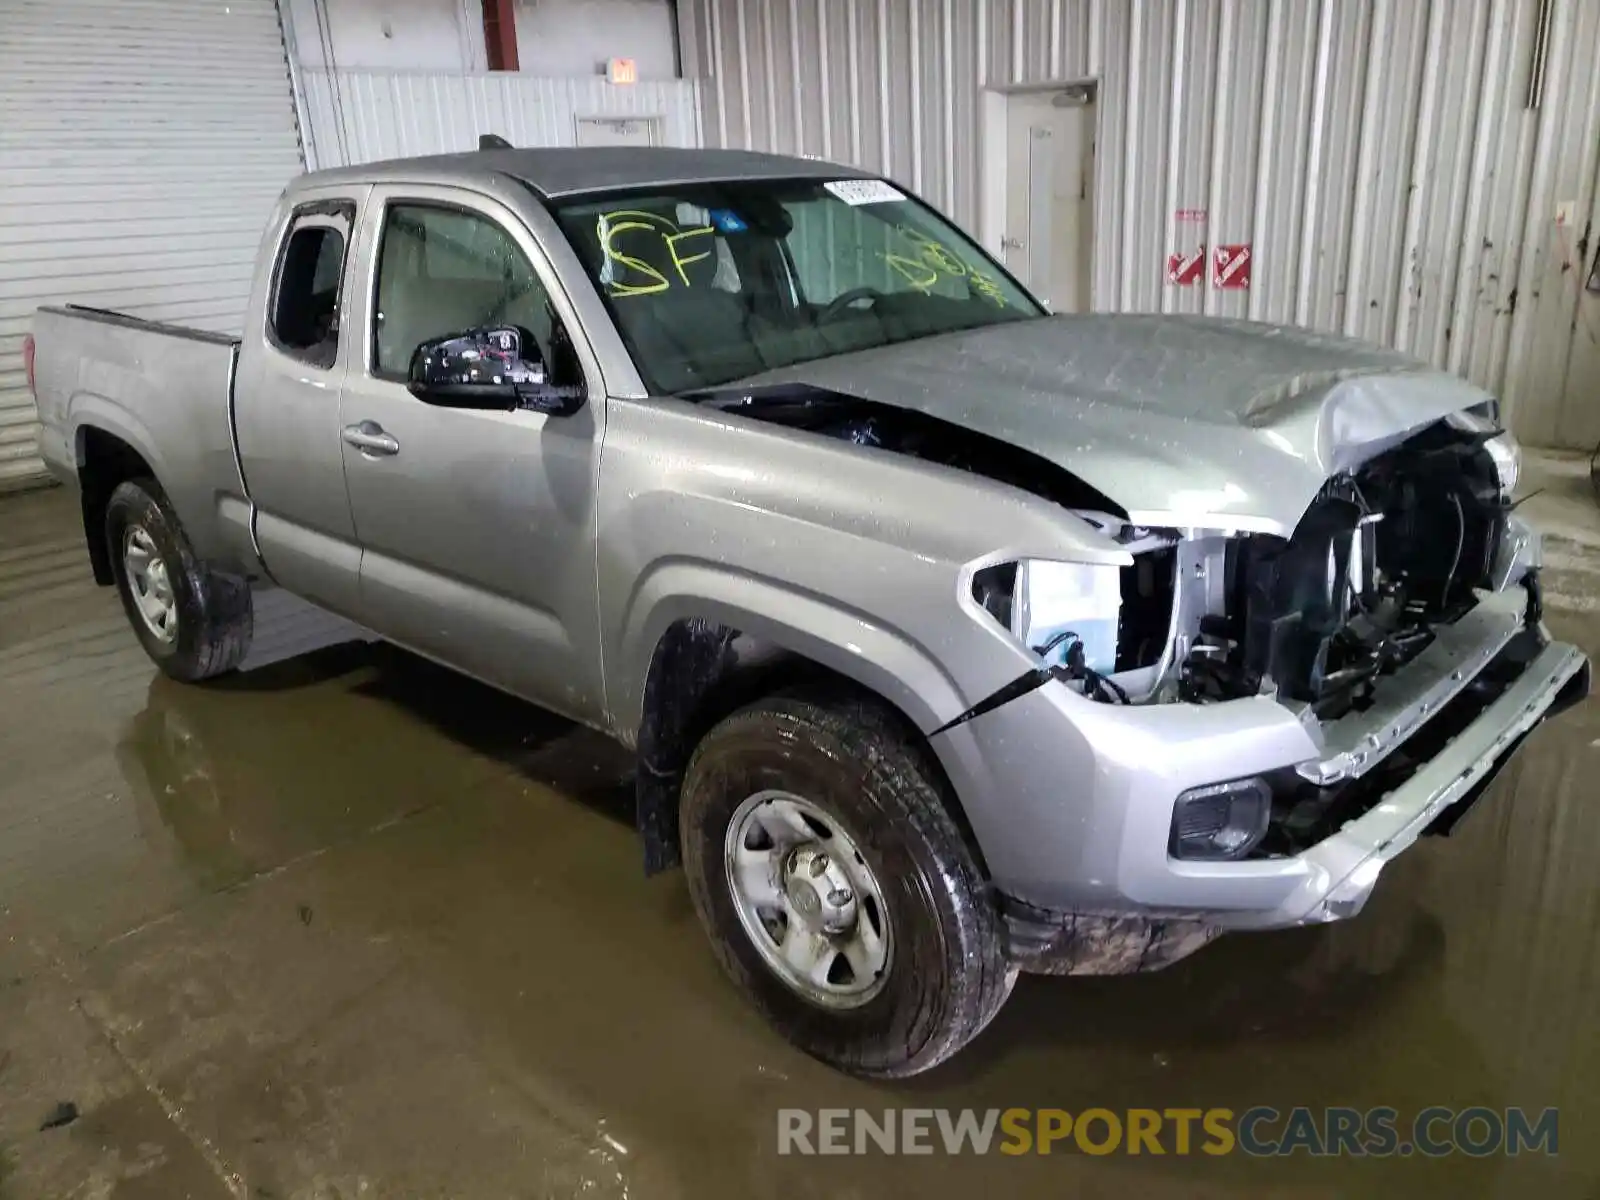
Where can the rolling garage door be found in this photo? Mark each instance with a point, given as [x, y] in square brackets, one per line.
[142, 145]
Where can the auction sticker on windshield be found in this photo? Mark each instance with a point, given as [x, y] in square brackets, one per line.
[864, 191]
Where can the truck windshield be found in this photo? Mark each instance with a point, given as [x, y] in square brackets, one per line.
[712, 283]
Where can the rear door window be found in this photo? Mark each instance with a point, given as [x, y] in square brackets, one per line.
[303, 317]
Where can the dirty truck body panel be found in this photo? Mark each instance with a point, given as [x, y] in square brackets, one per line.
[890, 508]
[163, 390]
[287, 414]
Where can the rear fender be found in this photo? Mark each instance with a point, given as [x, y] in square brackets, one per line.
[87, 410]
[97, 478]
[201, 482]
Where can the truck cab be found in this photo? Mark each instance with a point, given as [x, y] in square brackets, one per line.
[464, 532]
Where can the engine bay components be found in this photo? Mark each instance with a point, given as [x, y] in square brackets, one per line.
[1105, 630]
[1387, 554]
[1058, 603]
[1381, 558]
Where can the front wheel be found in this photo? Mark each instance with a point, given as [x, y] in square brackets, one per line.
[194, 622]
[837, 889]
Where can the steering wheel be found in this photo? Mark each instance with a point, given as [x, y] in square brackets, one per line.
[845, 299]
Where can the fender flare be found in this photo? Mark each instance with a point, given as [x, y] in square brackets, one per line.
[683, 672]
[87, 410]
[878, 657]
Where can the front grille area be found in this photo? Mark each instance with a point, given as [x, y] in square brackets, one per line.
[1304, 814]
[1380, 560]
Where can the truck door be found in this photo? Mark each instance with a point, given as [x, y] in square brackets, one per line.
[292, 365]
[476, 528]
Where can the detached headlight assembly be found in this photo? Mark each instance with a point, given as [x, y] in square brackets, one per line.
[1507, 455]
[1503, 449]
[1050, 605]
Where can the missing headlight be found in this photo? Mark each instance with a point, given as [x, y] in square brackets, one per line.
[1057, 604]
[994, 588]
[1148, 589]
[1120, 617]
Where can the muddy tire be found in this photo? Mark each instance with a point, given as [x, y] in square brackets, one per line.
[921, 970]
[193, 622]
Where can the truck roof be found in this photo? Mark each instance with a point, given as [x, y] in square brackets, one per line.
[557, 172]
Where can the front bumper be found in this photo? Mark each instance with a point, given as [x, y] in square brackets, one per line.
[1075, 829]
[1336, 874]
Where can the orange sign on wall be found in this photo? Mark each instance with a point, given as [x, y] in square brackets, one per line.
[622, 70]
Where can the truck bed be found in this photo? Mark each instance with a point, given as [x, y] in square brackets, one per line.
[110, 316]
[166, 390]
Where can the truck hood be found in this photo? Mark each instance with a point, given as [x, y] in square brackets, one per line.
[1184, 421]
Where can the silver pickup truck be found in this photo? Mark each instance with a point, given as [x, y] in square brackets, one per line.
[955, 639]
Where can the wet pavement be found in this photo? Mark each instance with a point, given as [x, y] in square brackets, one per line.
[346, 925]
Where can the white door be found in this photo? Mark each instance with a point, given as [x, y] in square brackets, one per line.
[1049, 185]
[142, 147]
[617, 131]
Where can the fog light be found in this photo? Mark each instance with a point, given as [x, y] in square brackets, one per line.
[1220, 820]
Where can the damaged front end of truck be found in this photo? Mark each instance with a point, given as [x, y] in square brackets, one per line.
[1325, 638]
[1414, 557]
[1399, 612]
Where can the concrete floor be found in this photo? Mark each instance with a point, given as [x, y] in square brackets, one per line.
[348, 926]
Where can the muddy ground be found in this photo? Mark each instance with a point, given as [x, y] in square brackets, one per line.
[348, 926]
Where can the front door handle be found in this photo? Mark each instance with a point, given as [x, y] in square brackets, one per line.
[369, 438]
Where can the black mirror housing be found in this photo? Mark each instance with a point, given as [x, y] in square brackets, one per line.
[496, 368]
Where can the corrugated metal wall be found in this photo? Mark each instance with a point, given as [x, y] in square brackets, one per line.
[1381, 156]
[361, 116]
[142, 146]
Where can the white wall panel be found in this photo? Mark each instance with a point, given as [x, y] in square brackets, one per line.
[1380, 156]
[554, 37]
[363, 116]
[576, 37]
[142, 146]
[421, 35]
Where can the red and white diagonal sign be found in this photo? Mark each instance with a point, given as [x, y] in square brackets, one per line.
[1231, 267]
[1186, 269]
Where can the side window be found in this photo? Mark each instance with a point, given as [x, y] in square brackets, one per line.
[443, 271]
[303, 319]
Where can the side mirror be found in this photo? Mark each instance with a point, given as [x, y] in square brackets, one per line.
[493, 368]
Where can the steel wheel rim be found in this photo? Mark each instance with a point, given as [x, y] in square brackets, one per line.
[807, 900]
[149, 584]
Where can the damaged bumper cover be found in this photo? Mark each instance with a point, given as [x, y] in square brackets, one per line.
[1093, 889]
[1337, 874]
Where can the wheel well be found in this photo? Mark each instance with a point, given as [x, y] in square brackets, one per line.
[104, 462]
[701, 672]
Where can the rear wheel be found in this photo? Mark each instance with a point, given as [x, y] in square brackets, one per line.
[194, 622]
[837, 889]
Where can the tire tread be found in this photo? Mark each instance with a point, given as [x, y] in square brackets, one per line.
[903, 782]
[222, 633]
